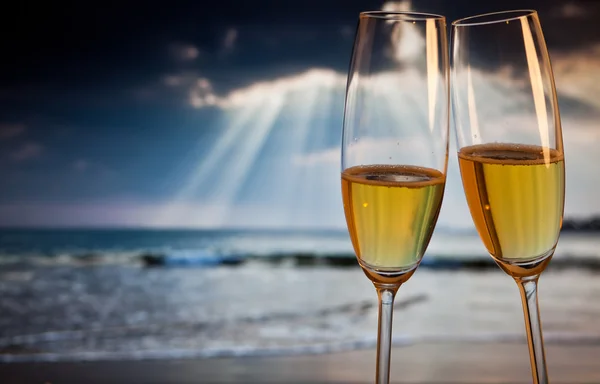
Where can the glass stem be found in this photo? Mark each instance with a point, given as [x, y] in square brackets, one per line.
[533, 326]
[386, 296]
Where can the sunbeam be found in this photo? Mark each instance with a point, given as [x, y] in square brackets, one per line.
[276, 161]
[237, 169]
[257, 115]
[304, 195]
[268, 158]
[300, 121]
[220, 173]
[199, 172]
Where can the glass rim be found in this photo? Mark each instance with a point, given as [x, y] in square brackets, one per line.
[401, 15]
[494, 17]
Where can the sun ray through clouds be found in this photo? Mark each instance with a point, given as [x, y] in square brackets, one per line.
[239, 163]
[298, 123]
[201, 166]
[276, 160]
[265, 120]
[303, 193]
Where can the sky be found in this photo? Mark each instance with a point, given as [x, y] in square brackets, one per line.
[229, 114]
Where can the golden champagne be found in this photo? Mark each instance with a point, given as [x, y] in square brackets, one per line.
[516, 196]
[391, 212]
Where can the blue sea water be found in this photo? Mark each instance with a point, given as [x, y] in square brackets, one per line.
[87, 294]
[123, 243]
[128, 245]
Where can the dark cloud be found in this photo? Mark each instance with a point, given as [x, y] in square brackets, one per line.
[99, 46]
[11, 130]
[27, 151]
[577, 107]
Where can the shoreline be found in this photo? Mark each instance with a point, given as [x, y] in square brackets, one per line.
[465, 363]
[400, 341]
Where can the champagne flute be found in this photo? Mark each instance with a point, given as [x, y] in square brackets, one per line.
[510, 149]
[394, 150]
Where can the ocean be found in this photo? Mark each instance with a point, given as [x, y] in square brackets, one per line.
[199, 247]
[140, 294]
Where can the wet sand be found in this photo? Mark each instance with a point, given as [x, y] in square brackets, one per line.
[422, 363]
